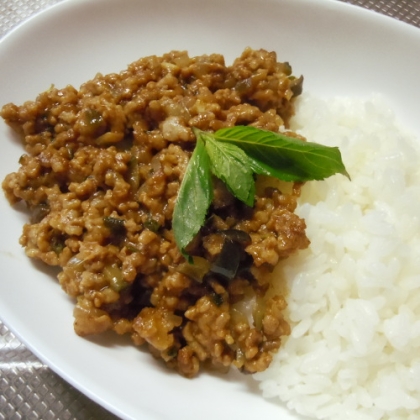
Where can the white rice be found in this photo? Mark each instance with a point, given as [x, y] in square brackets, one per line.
[354, 303]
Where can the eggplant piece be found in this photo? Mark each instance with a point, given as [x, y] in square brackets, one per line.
[117, 228]
[236, 235]
[227, 262]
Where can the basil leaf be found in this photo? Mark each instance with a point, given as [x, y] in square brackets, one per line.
[194, 198]
[234, 155]
[284, 157]
[230, 164]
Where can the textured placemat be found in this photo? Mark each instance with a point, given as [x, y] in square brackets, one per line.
[14, 12]
[405, 10]
[29, 390]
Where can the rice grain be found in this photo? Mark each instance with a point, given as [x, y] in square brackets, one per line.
[354, 302]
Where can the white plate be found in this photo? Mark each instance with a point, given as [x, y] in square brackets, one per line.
[340, 49]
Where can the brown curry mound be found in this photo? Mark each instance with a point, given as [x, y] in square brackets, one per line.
[100, 177]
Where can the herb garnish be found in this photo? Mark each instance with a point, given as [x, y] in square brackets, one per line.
[234, 155]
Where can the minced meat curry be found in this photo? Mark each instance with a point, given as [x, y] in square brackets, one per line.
[100, 176]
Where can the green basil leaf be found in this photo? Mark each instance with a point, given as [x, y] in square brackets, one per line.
[234, 155]
[230, 164]
[284, 157]
[194, 198]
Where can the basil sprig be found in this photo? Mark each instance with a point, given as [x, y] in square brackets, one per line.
[234, 155]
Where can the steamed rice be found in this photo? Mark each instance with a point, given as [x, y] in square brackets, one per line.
[354, 303]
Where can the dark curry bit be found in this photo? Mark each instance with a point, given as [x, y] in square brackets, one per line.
[101, 174]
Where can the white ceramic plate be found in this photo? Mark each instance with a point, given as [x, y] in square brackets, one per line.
[340, 49]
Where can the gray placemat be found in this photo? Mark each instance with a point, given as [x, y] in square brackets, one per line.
[405, 10]
[14, 12]
[29, 390]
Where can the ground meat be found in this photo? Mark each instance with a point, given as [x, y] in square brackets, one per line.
[100, 177]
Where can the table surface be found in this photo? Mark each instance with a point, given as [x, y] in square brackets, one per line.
[28, 388]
